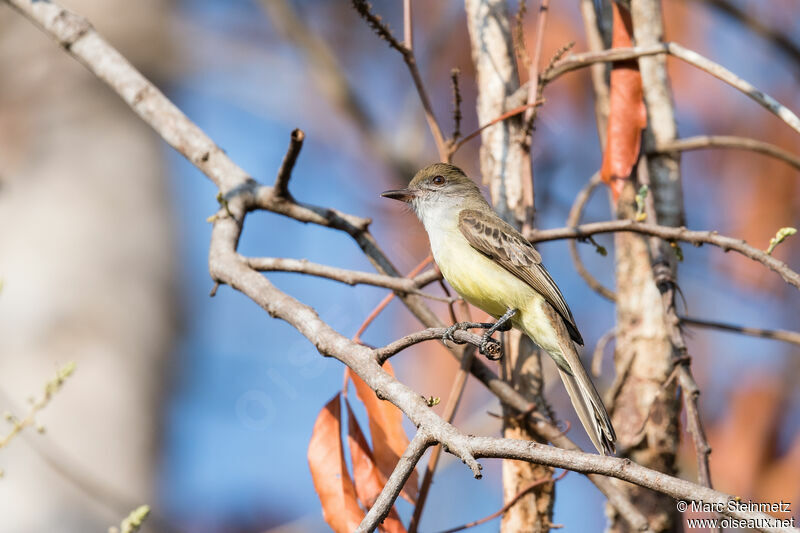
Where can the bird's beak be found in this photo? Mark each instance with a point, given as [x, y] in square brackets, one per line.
[404, 195]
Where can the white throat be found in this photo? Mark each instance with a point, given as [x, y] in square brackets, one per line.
[439, 214]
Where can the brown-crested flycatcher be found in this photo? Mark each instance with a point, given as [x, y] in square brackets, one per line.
[493, 267]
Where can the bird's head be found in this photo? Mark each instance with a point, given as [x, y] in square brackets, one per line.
[438, 185]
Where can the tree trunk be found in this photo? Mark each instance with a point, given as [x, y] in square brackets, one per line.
[505, 166]
[646, 412]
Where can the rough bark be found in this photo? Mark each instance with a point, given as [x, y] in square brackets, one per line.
[505, 164]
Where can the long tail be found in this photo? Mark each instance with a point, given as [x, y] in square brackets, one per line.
[588, 404]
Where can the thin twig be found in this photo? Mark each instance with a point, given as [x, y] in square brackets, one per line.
[395, 347]
[721, 73]
[510, 503]
[285, 172]
[577, 61]
[332, 82]
[50, 388]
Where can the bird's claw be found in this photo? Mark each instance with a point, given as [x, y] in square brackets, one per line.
[448, 334]
[491, 348]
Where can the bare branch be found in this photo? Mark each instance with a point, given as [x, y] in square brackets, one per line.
[343, 275]
[670, 233]
[383, 504]
[624, 469]
[728, 141]
[721, 73]
[612, 55]
[664, 278]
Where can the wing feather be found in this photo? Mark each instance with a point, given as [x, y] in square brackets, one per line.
[499, 241]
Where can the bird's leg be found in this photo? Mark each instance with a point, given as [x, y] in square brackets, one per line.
[502, 324]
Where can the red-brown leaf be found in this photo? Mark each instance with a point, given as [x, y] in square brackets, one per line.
[368, 480]
[389, 440]
[329, 471]
[627, 115]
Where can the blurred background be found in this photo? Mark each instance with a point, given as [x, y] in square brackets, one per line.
[203, 407]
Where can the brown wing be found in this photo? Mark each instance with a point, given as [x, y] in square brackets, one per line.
[499, 241]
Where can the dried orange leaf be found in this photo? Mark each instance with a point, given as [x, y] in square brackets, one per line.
[329, 471]
[389, 440]
[627, 115]
[368, 480]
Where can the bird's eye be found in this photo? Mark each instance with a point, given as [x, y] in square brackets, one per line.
[438, 180]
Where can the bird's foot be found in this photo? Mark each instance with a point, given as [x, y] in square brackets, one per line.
[491, 347]
[463, 326]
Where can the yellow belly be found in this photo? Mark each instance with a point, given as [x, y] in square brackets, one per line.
[490, 287]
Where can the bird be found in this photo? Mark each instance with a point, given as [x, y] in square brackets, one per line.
[493, 267]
